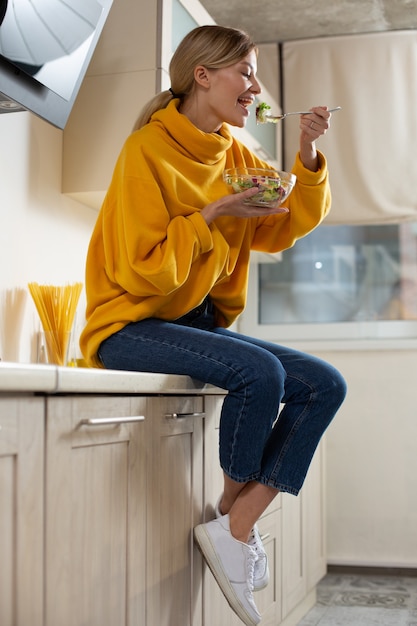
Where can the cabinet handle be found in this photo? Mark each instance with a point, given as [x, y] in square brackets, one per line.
[181, 416]
[105, 421]
[265, 536]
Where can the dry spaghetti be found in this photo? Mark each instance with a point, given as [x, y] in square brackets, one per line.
[56, 307]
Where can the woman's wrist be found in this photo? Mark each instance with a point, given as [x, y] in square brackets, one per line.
[309, 157]
[209, 213]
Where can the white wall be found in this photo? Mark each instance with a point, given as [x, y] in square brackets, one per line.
[372, 461]
[43, 234]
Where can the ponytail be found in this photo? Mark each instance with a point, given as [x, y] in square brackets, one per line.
[156, 103]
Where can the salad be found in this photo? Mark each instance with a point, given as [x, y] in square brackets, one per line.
[262, 112]
[272, 189]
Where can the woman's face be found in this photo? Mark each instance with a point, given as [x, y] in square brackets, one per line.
[227, 93]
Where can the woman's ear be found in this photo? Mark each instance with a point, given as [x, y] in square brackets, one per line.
[202, 76]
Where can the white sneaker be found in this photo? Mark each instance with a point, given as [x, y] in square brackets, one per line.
[261, 572]
[232, 565]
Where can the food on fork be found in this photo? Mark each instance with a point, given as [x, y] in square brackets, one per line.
[262, 110]
[263, 116]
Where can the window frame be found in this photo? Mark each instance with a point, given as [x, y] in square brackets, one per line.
[357, 335]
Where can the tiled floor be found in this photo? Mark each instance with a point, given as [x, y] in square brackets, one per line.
[364, 600]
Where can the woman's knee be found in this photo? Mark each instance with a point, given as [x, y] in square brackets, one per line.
[251, 367]
[269, 372]
[335, 385]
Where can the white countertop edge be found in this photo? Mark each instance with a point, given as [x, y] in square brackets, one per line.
[53, 379]
[26, 377]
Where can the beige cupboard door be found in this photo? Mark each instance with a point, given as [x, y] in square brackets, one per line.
[268, 601]
[21, 510]
[175, 498]
[304, 547]
[294, 555]
[95, 511]
[315, 495]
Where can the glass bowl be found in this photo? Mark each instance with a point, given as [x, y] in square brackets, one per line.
[274, 186]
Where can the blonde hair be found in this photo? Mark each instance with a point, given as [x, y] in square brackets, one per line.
[213, 47]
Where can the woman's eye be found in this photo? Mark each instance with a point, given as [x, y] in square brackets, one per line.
[246, 75]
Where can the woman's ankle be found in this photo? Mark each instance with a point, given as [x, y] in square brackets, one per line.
[239, 529]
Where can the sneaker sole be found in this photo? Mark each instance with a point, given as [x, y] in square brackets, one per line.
[206, 548]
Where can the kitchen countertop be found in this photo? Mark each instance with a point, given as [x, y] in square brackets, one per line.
[51, 379]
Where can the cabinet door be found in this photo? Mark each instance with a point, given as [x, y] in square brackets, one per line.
[95, 511]
[294, 576]
[304, 544]
[175, 499]
[268, 601]
[21, 511]
[315, 495]
[216, 608]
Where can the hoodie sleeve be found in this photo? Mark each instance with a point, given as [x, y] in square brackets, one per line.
[308, 204]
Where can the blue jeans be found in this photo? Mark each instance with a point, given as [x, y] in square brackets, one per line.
[258, 375]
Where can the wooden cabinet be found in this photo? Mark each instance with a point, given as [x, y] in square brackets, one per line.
[293, 534]
[294, 554]
[21, 511]
[304, 541]
[99, 496]
[174, 503]
[315, 499]
[133, 73]
[268, 601]
[95, 511]
[215, 607]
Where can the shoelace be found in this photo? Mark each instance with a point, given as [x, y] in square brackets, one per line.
[255, 541]
[250, 561]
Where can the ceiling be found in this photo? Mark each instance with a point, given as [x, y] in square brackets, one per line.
[283, 20]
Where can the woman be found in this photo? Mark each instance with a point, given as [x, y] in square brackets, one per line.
[167, 274]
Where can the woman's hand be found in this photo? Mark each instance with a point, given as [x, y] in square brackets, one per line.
[312, 126]
[233, 204]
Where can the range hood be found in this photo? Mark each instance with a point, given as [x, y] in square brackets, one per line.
[45, 52]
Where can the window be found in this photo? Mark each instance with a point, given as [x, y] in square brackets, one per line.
[339, 282]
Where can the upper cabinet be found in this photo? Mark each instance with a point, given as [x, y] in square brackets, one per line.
[129, 66]
[122, 76]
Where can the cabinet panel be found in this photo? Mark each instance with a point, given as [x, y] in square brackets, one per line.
[216, 610]
[175, 498]
[304, 544]
[21, 511]
[95, 499]
[268, 601]
[315, 495]
[294, 579]
[7, 539]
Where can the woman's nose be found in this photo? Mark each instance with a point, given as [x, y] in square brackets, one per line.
[255, 88]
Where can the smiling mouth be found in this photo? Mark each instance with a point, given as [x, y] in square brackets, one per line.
[245, 102]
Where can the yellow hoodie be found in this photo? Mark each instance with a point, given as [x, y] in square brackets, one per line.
[152, 254]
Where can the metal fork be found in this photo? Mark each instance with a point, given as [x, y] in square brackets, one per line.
[277, 118]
